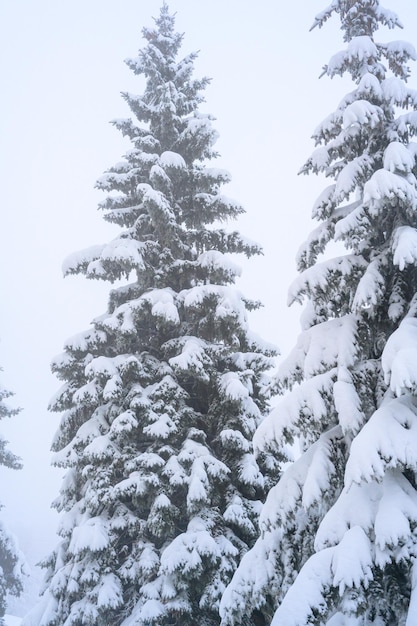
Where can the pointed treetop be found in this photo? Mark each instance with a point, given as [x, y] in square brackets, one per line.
[164, 36]
[358, 17]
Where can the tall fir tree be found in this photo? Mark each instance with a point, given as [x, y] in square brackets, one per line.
[338, 541]
[10, 557]
[161, 397]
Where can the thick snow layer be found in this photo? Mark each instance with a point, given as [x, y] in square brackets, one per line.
[354, 173]
[91, 535]
[233, 387]
[401, 49]
[347, 402]
[172, 159]
[397, 508]
[385, 509]
[347, 564]
[359, 49]
[370, 289]
[322, 347]
[193, 357]
[73, 261]
[110, 592]
[406, 124]
[385, 187]
[304, 482]
[399, 358]
[404, 246]
[362, 112]
[317, 278]
[412, 609]
[308, 397]
[10, 620]
[229, 300]
[124, 249]
[354, 222]
[388, 440]
[186, 551]
[215, 260]
[163, 305]
[355, 506]
[397, 158]
[370, 86]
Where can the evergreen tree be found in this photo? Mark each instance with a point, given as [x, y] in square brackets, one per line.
[338, 541]
[10, 559]
[162, 396]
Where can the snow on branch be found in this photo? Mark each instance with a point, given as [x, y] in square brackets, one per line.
[399, 358]
[398, 158]
[346, 565]
[404, 246]
[359, 50]
[371, 287]
[306, 400]
[303, 483]
[387, 188]
[316, 279]
[388, 440]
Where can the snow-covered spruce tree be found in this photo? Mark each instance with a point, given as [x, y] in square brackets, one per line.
[162, 396]
[338, 540]
[10, 558]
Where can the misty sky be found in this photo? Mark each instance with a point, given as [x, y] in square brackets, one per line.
[62, 72]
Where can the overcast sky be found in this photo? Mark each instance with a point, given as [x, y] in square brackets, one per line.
[62, 71]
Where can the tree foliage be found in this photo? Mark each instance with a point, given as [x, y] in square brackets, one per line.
[338, 536]
[161, 397]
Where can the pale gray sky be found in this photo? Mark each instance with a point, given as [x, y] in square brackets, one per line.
[62, 71]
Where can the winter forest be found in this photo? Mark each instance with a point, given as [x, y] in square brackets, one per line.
[208, 460]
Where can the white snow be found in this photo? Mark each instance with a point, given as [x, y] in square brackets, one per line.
[404, 246]
[362, 112]
[318, 277]
[370, 289]
[399, 357]
[163, 304]
[359, 49]
[110, 592]
[92, 535]
[347, 564]
[322, 347]
[401, 49]
[353, 173]
[362, 48]
[412, 609]
[386, 186]
[73, 261]
[232, 386]
[306, 398]
[215, 260]
[387, 440]
[397, 507]
[185, 552]
[369, 86]
[229, 300]
[347, 402]
[395, 90]
[303, 482]
[123, 249]
[10, 620]
[193, 357]
[397, 158]
[172, 159]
